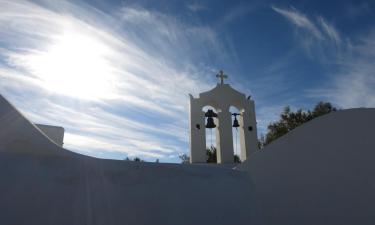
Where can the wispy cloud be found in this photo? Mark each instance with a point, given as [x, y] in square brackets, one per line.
[196, 7]
[321, 41]
[349, 64]
[319, 28]
[330, 30]
[236, 12]
[119, 84]
[300, 20]
[352, 83]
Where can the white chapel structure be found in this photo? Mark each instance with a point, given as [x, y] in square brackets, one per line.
[221, 98]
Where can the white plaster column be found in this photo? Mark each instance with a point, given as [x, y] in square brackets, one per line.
[253, 136]
[224, 138]
[248, 131]
[197, 133]
[242, 130]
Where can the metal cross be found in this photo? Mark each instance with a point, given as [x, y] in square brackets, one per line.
[222, 76]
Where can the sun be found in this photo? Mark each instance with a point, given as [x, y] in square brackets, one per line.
[75, 65]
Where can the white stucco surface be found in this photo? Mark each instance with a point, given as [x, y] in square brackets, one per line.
[320, 173]
[55, 133]
[42, 183]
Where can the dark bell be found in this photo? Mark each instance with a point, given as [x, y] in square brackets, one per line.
[210, 113]
[210, 123]
[235, 122]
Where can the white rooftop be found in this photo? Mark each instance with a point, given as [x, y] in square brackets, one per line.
[320, 173]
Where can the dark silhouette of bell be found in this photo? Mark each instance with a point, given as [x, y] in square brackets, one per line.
[235, 122]
[210, 123]
[210, 113]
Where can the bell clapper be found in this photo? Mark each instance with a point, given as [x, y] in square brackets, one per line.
[211, 138]
[236, 125]
[235, 121]
[235, 151]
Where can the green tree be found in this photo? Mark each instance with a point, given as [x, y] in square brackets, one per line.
[290, 120]
[237, 159]
[185, 159]
[137, 159]
[212, 156]
[323, 108]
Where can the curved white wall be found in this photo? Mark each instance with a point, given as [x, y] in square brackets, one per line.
[320, 173]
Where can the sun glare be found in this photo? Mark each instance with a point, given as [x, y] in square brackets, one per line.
[75, 65]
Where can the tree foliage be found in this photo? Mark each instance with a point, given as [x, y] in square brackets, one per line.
[185, 159]
[290, 120]
[136, 159]
[212, 156]
[237, 159]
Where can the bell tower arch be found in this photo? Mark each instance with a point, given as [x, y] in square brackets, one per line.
[221, 98]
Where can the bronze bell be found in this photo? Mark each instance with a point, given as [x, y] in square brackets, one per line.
[235, 122]
[210, 123]
[210, 113]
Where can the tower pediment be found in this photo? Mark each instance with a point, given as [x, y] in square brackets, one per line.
[224, 96]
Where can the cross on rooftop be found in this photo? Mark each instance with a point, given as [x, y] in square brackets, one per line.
[222, 76]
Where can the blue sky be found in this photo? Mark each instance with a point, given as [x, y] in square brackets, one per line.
[116, 74]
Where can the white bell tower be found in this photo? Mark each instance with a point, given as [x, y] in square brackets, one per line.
[221, 98]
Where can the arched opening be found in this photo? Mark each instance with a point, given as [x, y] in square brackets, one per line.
[236, 114]
[210, 134]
